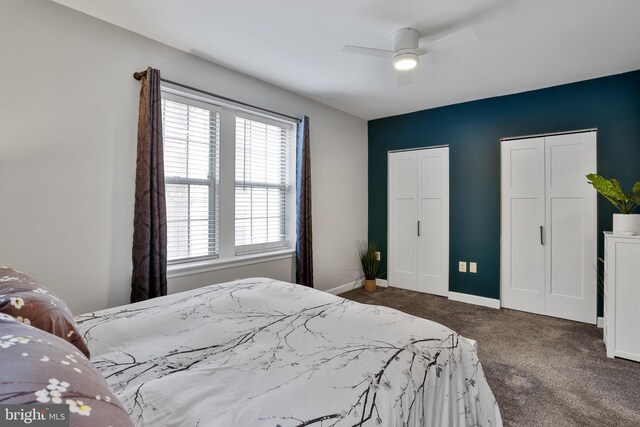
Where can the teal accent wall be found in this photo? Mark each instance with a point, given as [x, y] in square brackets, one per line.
[473, 130]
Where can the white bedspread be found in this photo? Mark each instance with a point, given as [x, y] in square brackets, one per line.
[260, 352]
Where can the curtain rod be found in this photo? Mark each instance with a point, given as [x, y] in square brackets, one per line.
[138, 76]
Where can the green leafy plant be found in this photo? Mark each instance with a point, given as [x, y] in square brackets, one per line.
[611, 190]
[368, 259]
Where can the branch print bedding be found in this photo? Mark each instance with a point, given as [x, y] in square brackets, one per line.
[260, 352]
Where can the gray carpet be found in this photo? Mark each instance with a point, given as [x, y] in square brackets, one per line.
[543, 371]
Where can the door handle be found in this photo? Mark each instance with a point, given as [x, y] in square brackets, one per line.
[418, 228]
[542, 235]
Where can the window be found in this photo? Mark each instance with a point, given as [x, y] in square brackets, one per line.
[230, 190]
[263, 184]
[191, 146]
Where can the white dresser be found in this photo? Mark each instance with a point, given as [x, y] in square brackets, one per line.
[622, 296]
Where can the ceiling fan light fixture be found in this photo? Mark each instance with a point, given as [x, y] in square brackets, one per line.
[405, 61]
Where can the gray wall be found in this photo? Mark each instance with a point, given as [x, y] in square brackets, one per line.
[68, 115]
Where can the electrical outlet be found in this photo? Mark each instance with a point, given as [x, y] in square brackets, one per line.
[473, 267]
[377, 255]
[462, 266]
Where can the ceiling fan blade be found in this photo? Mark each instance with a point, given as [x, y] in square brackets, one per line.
[405, 78]
[457, 38]
[367, 51]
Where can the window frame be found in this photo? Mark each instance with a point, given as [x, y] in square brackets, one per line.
[227, 254]
[213, 182]
[287, 188]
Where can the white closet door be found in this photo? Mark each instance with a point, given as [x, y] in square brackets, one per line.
[523, 197]
[571, 227]
[402, 200]
[433, 217]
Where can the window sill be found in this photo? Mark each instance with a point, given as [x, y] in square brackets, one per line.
[198, 267]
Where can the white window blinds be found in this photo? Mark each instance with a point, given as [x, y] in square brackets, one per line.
[263, 173]
[191, 163]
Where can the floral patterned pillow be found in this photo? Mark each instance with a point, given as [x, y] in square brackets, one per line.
[31, 303]
[38, 367]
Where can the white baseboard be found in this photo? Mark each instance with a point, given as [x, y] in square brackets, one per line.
[382, 283]
[344, 288]
[474, 299]
[355, 285]
[600, 323]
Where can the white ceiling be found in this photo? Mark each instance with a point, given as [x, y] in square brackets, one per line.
[522, 44]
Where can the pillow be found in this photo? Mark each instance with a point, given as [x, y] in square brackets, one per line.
[31, 303]
[39, 368]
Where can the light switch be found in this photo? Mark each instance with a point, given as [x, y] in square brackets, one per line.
[473, 267]
[377, 255]
[462, 266]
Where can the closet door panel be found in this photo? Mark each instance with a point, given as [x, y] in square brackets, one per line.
[404, 229]
[433, 214]
[523, 202]
[571, 227]
[402, 202]
[526, 274]
[565, 247]
[431, 275]
[431, 169]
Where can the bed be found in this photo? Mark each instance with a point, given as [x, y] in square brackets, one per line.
[260, 352]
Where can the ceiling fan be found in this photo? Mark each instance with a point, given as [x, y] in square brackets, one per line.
[406, 51]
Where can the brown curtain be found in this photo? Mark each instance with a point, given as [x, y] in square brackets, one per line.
[304, 249]
[149, 279]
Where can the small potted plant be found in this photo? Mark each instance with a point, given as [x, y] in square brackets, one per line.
[626, 222]
[370, 262]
